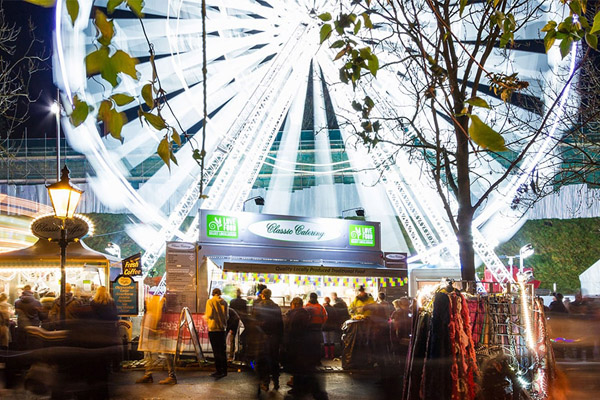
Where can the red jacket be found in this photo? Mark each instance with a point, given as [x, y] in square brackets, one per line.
[318, 315]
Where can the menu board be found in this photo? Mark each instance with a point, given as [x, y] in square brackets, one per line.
[124, 291]
[181, 265]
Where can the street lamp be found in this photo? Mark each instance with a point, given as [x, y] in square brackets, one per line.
[258, 200]
[64, 198]
[359, 211]
[525, 252]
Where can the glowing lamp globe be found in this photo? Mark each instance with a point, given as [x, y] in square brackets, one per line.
[64, 196]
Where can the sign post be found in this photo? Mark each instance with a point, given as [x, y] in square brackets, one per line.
[124, 291]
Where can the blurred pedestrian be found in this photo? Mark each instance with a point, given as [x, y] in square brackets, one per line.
[401, 329]
[341, 315]
[380, 330]
[557, 305]
[28, 311]
[298, 346]
[240, 306]
[103, 305]
[6, 312]
[318, 317]
[269, 323]
[329, 329]
[216, 315]
[151, 342]
[72, 306]
[360, 305]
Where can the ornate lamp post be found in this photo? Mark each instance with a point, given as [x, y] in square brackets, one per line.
[65, 199]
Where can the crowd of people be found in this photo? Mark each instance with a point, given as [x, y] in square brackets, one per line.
[83, 345]
[300, 338]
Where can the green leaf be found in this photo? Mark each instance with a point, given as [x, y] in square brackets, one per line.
[565, 46]
[123, 62]
[592, 40]
[367, 19]
[485, 136]
[575, 7]
[463, 3]
[196, 155]
[114, 123]
[357, 26]
[136, 6]
[369, 102]
[122, 99]
[73, 10]
[325, 17]
[596, 24]
[96, 61]
[373, 64]
[325, 32]
[549, 40]
[176, 137]
[106, 28]
[103, 112]
[340, 53]
[164, 151]
[477, 102]
[337, 44]
[550, 26]
[147, 95]
[157, 122]
[113, 4]
[80, 111]
[42, 3]
[356, 105]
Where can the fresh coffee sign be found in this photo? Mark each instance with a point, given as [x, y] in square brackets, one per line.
[221, 226]
[294, 231]
[362, 235]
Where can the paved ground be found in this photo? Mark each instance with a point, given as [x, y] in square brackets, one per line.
[582, 378]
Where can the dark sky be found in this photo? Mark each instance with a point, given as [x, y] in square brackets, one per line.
[41, 85]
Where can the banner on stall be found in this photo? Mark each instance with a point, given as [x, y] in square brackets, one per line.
[132, 265]
[124, 291]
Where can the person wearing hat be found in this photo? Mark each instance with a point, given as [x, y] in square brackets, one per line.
[360, 305]
[216, 315]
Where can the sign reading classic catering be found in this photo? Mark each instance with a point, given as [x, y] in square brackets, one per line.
[132, 265]
[293, 231]
[48, 227]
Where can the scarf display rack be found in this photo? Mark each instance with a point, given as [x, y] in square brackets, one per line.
[489, 346]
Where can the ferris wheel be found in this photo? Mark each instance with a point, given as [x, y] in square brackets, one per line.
[263, 57]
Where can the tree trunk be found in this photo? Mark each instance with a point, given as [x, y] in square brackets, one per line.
[465, 208]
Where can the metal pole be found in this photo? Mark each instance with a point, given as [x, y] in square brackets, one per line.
[521, 262]
[63, 256]
[58, 135]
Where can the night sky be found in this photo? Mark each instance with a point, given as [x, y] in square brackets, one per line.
[41, 85]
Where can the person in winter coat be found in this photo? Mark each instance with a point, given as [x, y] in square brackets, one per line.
[103, 306]
[361, 305]
[401, 329]
[298, 345]
[329, 328]
[341, 315]
[28, 311]
[72, 305]
[318, 317]
[216, 315]
[557, 305]
[6, 311]
[269, 325]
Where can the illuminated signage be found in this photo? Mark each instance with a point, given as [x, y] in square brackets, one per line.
[131, 265]
[221, 226]
[362, 235]
[294, 231]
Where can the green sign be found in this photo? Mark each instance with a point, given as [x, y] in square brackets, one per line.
[362, 235]
[221, 226]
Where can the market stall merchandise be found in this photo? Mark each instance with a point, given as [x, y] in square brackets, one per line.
[464, 346]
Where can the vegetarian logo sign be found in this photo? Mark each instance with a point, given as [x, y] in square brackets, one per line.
[362, 235]
[221, 226]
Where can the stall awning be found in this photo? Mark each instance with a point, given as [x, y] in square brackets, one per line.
[327, 268]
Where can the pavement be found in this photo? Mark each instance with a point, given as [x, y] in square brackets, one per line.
[240, 383]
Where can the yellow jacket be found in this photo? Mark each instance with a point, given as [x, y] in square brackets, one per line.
[357, 307]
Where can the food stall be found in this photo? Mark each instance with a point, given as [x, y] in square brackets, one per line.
[39, 266]
[293, 256]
